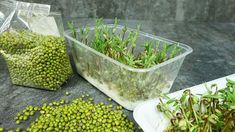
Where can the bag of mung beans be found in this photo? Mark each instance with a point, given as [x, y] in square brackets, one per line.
[32, 45]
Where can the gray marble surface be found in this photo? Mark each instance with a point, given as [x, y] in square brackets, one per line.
[213, 57]
[155, 10]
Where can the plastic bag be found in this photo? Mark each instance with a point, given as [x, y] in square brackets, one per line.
[32, 46]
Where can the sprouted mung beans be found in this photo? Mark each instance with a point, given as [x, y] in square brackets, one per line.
[209, 112]
[121, 45]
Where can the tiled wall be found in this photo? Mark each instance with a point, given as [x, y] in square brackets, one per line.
[156, 10]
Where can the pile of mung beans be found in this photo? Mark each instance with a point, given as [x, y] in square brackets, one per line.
[78, 115]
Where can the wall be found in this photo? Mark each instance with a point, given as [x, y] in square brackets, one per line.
[156, 10]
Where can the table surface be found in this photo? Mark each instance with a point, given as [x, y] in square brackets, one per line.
[213, 57]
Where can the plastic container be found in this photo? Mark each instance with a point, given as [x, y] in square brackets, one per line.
[126, 85]
[151, 120]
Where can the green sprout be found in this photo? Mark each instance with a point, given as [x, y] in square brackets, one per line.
[125, 46]
[114, 45]
[210, 112]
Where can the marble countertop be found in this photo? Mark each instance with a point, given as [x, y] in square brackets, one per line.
[213, 57]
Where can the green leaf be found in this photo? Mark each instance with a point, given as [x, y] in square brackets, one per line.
[212, 96]
[72, 29]
[174, 51]
[170, 101]
[183, 98]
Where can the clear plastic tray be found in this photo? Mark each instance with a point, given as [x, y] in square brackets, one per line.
[126, 85]
[151, 120]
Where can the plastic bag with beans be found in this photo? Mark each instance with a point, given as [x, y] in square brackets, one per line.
[32, 45]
